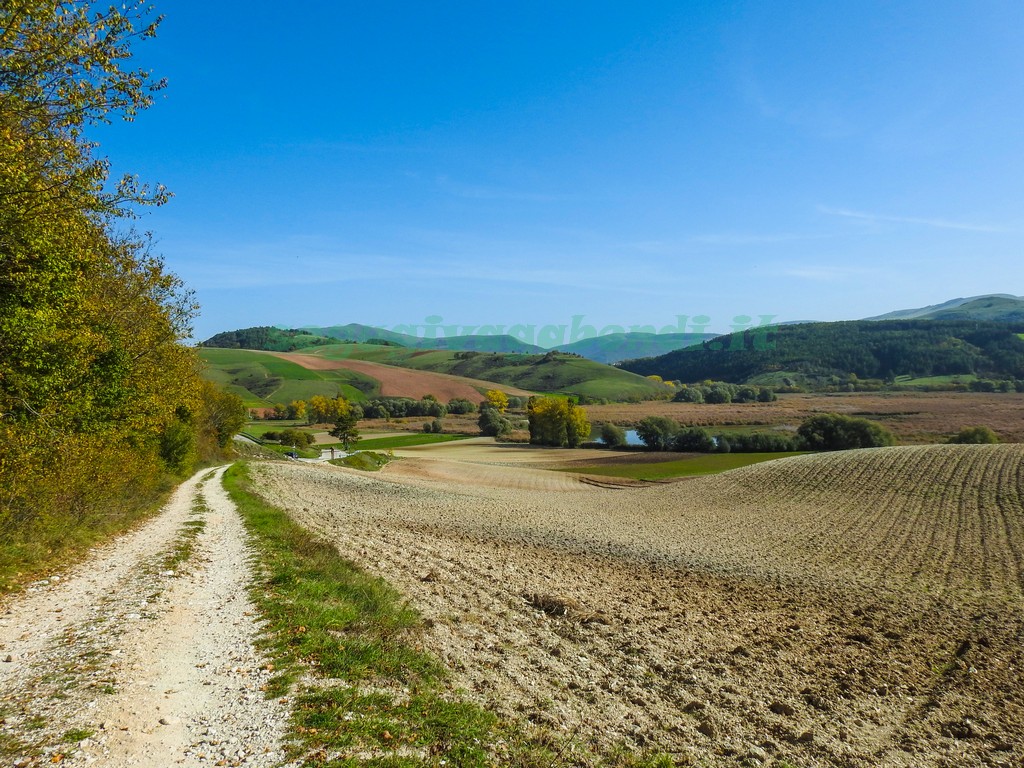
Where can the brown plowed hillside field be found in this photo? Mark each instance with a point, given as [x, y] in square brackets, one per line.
[859, 609]
[405, 382]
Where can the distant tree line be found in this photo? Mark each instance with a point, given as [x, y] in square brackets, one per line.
[822, 432]
[717, 392]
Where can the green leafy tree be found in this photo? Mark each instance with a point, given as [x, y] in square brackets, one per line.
[492, 423]
[91, 323]
[613, 435]
[693, 439]
[496, 399]
[345, 428]
[657, 432]
[557, 421]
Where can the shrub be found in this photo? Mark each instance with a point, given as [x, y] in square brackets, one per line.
[835, 432]
[764, 442]
[689, 395]
[718, 395]
[657, 432]
[460, 405]
[975, 435]
[693, 439]
[492, 423]
[296, 438]
[613, 435]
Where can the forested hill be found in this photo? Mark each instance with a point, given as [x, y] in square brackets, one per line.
[867, 349]
[267, 338]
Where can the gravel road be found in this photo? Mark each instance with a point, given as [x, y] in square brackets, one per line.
[124, 662]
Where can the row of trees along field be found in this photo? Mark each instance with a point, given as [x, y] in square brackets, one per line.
[101, 407]
[822, 432]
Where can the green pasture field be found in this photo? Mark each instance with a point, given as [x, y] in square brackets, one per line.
[402, 441]
[933, 381]
[262, 379]
[704, 464]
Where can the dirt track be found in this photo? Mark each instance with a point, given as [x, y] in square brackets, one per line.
[149, 666]
[861, 609]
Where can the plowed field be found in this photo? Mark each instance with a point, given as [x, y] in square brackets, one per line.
[404, 382]
[852, 609]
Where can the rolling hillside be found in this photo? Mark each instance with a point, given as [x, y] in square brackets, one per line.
[550, 372]
[864, 348]
[261, 379]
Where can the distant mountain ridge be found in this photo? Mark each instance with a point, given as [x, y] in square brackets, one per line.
[615, 347]
[996, 307]
[469, 343]
[610, 349]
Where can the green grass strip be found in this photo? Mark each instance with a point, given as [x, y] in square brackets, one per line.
[329, 619]
[707, 464]
[368, 461]
[405, 441]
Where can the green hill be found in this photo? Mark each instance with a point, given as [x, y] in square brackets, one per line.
[996, 307]
[615, 347]
[267, 338]
[550, 372]
[865, 348]
[262, 380]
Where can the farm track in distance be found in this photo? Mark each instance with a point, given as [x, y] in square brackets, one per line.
[861, 608]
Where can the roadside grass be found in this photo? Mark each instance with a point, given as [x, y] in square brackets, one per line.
[305, 453]
[405, 441]
[54, 545]
[368, 461]
[704, 464]
[348, 652]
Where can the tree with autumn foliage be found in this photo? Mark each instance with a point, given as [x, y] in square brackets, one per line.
[100, 403]
[496, 399]
[557, 421]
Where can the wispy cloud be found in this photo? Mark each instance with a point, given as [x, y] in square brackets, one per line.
[918, 221]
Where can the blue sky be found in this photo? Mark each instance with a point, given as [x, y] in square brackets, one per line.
[528, 162]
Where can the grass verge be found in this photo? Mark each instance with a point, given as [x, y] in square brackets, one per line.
[705, 464]
[368, 461]
[347, 650]
[405, 441]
